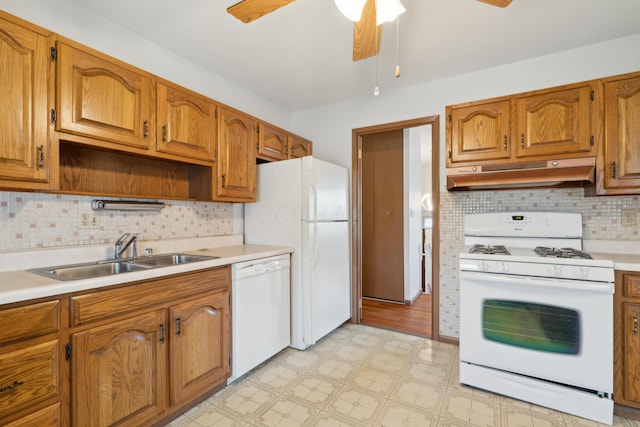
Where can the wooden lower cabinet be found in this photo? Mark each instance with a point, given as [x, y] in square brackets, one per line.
[626, 382]
[198, 346]
[156, 347]
[118, 372]
[47, 417]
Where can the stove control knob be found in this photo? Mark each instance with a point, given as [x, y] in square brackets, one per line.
[556, 270]
[504, 267]
[484, 266]
[583, 273]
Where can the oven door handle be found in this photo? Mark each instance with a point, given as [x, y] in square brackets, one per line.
[551, 282]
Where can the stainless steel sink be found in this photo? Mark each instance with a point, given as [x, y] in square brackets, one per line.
[169, 259]
[108, 268]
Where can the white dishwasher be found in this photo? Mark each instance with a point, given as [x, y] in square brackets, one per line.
[260, 311]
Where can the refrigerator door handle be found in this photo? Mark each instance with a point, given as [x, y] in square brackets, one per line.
[313, 196]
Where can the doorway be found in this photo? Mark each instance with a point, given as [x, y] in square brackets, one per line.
[363, 136]
[382, 216]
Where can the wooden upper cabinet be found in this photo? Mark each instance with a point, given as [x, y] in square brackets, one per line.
[25, 151]
[479, 131]
[620, 166]
[199, 346]
[299, 147]
[235, 178]
[119, 372]
[186, 122]
[555, 122]
[103, 98]
[273, 142]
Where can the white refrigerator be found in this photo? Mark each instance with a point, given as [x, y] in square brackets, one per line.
[304, 203]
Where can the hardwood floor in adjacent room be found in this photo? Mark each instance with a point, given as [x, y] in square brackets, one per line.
[412, 319]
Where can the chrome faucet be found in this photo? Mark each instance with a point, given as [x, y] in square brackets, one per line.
[121, 247]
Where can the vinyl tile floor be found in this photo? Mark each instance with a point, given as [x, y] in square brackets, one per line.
[364, 376]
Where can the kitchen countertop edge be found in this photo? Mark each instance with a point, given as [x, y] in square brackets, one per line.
[22, 285]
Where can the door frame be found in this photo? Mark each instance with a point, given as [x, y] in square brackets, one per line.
[356, 214]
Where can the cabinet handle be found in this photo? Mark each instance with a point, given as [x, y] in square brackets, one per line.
[178, 326]
[162, 333]
[10, 386]
[146, 128]
[505, 143]
[522, 140]
[614, 171]
[635, 325]
[224, 180]
[164, 133]
[41, 156]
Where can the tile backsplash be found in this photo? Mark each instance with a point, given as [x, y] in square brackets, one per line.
[601, 220]
[37, 220]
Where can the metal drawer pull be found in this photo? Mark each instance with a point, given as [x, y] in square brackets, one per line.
[635, 325]
[614, 171]
[178, 326]
[505, 142]
[10, 386]
[162, 332]
[41, 156]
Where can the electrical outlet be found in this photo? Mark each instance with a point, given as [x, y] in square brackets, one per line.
[629, 217]
[207, 216]
[88, 220]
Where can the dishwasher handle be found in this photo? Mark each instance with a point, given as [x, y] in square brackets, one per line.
[259, 267]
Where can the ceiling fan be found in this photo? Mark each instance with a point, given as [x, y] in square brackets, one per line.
[366, 34]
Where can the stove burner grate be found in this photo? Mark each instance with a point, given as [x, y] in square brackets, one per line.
[561, 253]
[489, 250]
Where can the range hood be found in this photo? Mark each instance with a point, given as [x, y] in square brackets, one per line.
[575, 172]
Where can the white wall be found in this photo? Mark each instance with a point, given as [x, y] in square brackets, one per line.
[83, 25]
[413, 213]
[332, 140]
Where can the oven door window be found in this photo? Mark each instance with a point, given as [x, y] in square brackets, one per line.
[532, 326]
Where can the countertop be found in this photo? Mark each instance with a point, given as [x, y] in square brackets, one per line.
[624, 254]
[21, 285]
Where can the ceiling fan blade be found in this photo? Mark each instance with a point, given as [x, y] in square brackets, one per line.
[250, 10]
[499, 3]
[366, 34]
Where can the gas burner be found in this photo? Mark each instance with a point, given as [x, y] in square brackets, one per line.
[489, 250]
[561, 253]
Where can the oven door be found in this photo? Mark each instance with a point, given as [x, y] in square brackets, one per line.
[552, 329]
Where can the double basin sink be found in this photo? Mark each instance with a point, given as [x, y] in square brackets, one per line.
[108, 268]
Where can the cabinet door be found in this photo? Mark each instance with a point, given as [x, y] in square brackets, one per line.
[199, 346]
[103, 98]
[186, 123]
[479, 132]
[631, 373]
[272, 143]
[236, 162]
[622, 135]
[554, 123]
[25, 64]
[119, 372]
[299, 147]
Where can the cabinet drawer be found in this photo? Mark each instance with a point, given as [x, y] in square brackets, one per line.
[28, 376]
[114, 302]
[47, 417]
[30, 321]
[631, 285]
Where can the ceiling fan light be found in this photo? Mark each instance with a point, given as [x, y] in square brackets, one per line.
[388, 10]
[351, 9]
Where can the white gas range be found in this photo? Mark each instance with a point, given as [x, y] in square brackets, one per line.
[536, 312]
